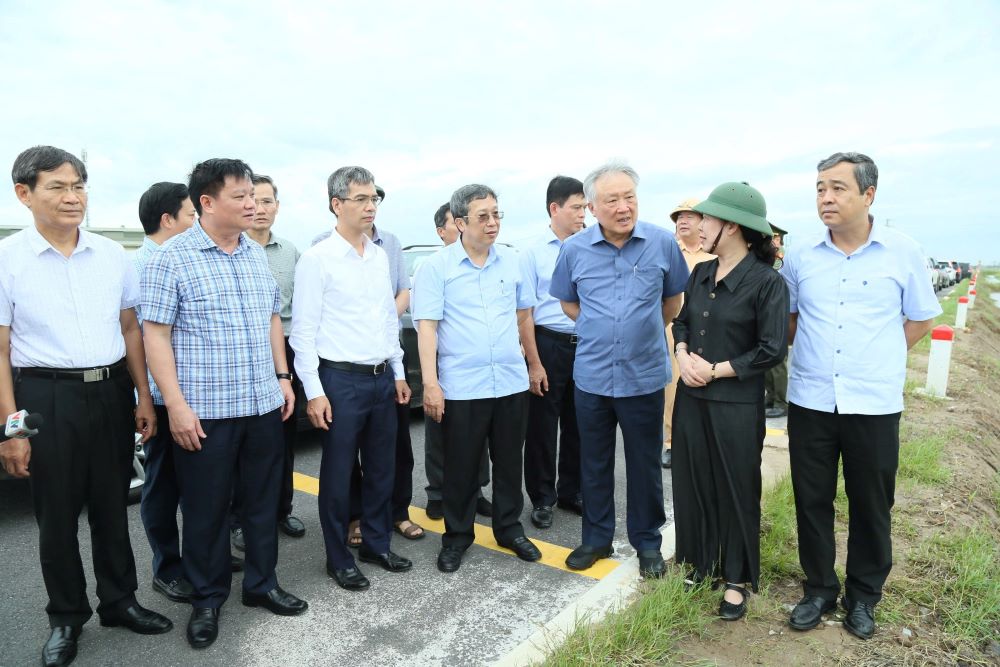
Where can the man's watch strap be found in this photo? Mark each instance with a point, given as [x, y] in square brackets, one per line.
[284, 376]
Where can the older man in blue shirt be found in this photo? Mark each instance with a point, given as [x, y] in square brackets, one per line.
[621, 281]
[859, 300]
[467, 301]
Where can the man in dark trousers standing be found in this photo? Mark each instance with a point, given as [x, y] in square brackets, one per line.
[860, 299]
[71, 350]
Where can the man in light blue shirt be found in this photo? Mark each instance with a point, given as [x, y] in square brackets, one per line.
[621, 281]
[859, 300]
[549, 340]
[467, 301]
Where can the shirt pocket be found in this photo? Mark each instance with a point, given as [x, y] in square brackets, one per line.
[647, 283]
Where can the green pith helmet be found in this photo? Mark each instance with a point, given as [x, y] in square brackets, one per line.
[739, 203]
[778, 230]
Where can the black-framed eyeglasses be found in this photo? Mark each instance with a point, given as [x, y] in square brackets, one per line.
[484, 218]
[362, 199]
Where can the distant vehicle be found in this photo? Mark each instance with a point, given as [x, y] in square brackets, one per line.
[958, 271]
[937, 278]
[949, 272]
[966, 269]
[414, 256]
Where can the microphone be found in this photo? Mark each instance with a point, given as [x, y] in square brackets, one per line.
[23, 425]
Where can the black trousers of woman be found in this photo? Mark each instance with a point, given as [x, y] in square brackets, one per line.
[716, 485]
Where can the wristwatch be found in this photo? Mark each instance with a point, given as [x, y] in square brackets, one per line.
[713, 371]
[284, 376]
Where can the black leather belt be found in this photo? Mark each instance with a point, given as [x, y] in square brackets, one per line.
[97, 374]
[364, 369]
[557, 335]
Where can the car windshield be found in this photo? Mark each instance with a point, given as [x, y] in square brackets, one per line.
[414, 258]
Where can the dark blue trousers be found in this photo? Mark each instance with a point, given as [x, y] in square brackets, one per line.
[160, 498]
[252, 446]
[641, 421]
[364, 418]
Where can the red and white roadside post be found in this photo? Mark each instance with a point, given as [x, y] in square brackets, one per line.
[972, 296]
[962, 312]
[942, 337]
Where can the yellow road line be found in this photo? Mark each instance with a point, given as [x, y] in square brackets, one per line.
[775, 431]
[553, 555]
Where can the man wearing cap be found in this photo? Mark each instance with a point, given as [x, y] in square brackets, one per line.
[860, 299]
[686, 221]
[621, 282]
[549, 340]
[776, 378]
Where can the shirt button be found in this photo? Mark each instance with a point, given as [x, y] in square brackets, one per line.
[711, 295]
[702, 332]
[838, 351]
[843, 280]
[848, 258]
[699, 350]
[619, 298]
[705, 314]
[841, 303]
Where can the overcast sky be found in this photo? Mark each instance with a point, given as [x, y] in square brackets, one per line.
[432, 95]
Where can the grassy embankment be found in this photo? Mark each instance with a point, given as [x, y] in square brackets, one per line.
[945, 577]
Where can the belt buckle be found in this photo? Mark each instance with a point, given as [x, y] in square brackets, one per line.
[375, 369]
[96, 374]
[573, 338]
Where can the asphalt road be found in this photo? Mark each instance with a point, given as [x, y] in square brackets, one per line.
[422, 617]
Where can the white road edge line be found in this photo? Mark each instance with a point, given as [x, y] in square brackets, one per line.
[607, 595]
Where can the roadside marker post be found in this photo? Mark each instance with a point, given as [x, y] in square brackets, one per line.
[961, 312]
[972, 297]
[942, 337]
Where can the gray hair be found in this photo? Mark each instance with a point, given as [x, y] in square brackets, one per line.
[36, 159]
[865, 171]
[611, 167]
[467, 194]
[340, 181]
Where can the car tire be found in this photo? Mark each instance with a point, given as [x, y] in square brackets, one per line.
[138, 478]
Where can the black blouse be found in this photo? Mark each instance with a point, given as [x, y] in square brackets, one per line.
[742, 319]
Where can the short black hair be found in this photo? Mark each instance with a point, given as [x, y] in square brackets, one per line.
[209, 177]
[441, 215]
[560, 189]
[261, 178]
[160, 198]
[36, 159]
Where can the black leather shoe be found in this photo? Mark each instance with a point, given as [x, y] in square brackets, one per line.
[178, 590]
[235, 563]
[584, 556]
[450, 559]
[666, 458]
[774, 413]
[651, 564]
[277, 601]
[523, 547]
[860, 619]
[138, 619]
[435, 509]
[388, 561]
[60, 649]
[236, 539]
[808, 612]
[292, 526]
[203, 627]
[574, 505]
[484, 507]
[541, 516]
[350, 579]
[733, 612]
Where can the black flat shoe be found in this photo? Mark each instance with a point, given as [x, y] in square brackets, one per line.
[139, 620]
[484, 507]
[584, 556]
[651, 565]
[277, 601]
[350, 579]
[60, 649]
[541, 517]
[733, 612]
[235, 563]
[388, 561]
[775, 413]
[450, 559]
[292, 526]
[809, 611]
[203, 627]
[523, 547]
[177, 590]
[860, 619]
[435, 509]
[574, 505]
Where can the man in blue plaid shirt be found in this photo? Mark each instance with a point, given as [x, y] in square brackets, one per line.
[216, 350]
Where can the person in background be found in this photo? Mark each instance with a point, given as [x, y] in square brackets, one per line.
[776, 377]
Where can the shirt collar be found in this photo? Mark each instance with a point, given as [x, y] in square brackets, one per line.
[149, 244]
[735, 276]
[376, 239]
[875, 235]
[203, 241]
[597, 236]
[461, 255]
[343, 248]
[38, 244]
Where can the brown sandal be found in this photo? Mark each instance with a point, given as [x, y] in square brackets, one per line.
[354, 534]
[411, 532]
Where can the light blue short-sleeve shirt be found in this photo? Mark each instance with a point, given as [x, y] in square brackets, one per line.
[849, 351]
[479, 350]
[538, 261]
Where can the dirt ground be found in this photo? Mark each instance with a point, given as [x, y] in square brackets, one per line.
[970, 421]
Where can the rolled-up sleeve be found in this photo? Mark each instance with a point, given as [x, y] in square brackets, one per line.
[772, 331]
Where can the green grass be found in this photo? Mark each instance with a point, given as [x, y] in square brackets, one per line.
[644, 633]
[779, 557]
[949, 307]
[920, 458]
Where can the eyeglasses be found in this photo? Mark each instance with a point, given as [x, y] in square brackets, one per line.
[362, 200]
[78, 189]
[484, 218]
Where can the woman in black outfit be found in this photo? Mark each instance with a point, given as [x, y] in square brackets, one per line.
[732, 328]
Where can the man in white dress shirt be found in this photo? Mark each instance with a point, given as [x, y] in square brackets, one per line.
[71, 350]
[345, 334]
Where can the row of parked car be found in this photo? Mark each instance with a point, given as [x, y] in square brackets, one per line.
[946, 274]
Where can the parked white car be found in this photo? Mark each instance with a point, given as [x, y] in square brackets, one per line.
[937, 279]
[949, 273]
